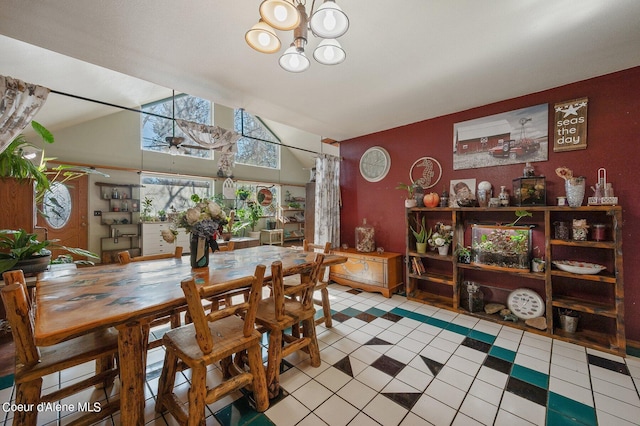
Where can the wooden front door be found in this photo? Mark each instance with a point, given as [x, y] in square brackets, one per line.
[66, 210]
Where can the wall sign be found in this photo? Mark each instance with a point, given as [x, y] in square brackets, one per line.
[570, 128]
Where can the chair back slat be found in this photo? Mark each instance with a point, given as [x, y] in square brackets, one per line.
[307, 246]
[17, 277]
[18, 314]
[247, 309]
[309, 274]
[124, 257]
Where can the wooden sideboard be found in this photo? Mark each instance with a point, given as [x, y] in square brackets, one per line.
[379, 272]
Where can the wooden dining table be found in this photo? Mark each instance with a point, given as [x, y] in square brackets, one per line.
[71, 303]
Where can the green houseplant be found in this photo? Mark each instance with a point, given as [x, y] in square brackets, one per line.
[421, 237]
[410, 201]
[255, 213]
[18, 248]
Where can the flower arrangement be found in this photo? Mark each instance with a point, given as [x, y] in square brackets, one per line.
[206, 220]
[441, 235]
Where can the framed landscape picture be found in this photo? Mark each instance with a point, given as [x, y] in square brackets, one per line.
[512, 137]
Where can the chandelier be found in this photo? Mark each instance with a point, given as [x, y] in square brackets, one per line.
[328, 22]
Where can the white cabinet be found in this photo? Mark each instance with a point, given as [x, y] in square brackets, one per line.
[153, 243]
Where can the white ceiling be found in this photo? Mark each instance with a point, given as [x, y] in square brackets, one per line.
[406, 60]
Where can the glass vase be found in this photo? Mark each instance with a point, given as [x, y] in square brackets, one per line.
[365, 237]
[574, 188]
[199, 248]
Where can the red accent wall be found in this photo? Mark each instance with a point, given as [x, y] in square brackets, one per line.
[613, 139]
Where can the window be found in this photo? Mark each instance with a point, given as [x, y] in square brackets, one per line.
[57, 205]
[258, 146]
[170, 193]
[156, 130]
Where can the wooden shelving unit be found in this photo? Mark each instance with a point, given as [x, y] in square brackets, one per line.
[121, 218]
[599, 298]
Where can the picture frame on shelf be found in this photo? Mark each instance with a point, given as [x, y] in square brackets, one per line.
[461, 189]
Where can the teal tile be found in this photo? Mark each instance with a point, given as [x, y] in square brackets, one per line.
[502, 353]
[410, 314]
[557, 419]
[351, 312]
[483, 337]
[530, 376]
[633, 351]
[571, 409]
[458, 329]
[437, 322]
[238, 413]
[6, 381]
[375, 312]
[261, 420]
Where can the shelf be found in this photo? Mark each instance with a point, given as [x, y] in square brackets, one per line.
[576, 304]
[597, 277]
[599, 297]
[509, 271]
[436, 278]
[588, 244]
[431, 299]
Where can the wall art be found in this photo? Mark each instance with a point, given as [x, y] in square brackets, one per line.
[570, 125]
[512, 137]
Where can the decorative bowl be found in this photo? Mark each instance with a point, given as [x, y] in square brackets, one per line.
[577, 267]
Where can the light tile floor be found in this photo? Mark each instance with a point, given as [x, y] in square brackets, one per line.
[397, 362]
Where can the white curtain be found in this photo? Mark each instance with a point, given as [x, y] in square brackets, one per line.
[213, 137]
[19, 103]
[327, 211]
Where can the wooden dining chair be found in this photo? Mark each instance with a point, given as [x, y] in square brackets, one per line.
[321, 285]
[34, 362]
[210, 338]
[230, 246]
[279, 316]
[172, 317]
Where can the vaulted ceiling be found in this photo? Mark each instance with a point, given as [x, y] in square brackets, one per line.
[406, 60]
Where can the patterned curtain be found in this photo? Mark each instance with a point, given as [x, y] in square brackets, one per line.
[327, 212]
[19, 103]
[213, 137]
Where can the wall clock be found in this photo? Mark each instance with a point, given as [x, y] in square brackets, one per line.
[525, 303]
[375, 164]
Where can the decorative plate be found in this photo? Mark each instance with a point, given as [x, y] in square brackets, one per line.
[577, 267]
[428, 172]
[375, 164]
[525, 303]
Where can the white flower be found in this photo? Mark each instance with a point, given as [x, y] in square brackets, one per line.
[439, 241]
[168, 235]
[214, 209]
[193, 215]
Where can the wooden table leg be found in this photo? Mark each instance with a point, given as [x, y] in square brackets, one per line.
[132, 373]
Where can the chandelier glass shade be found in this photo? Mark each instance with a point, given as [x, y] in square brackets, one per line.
[263, 38]
[327, 23]
[280, 14]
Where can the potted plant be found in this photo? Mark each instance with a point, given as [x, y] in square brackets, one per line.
[162, 215]
[537, 263]
[147, 207]
[463, 254]
[254, 215]
[440, 238]
[22, 250]
[243, 193]
[421, 237]
[410, 201]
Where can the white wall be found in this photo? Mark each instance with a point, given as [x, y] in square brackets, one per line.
[112, 145]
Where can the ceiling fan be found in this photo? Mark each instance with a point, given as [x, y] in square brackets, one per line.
[175, 145]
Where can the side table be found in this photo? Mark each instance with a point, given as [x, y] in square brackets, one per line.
[272, 236]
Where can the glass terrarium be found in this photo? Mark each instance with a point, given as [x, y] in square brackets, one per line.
[501, 246]
[530, 191]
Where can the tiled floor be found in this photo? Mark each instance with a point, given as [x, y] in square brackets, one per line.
[396, 362]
